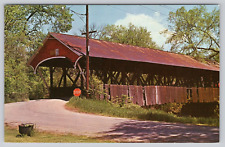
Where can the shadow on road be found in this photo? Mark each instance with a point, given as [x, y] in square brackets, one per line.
[146, 131]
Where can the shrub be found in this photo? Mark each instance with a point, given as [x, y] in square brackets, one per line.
[96, 87]
[129, 110]
[217, 109]
[174, 108]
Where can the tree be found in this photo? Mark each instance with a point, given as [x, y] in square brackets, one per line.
[23, 30]
[195, 32]
[93, 28]
[132, 35]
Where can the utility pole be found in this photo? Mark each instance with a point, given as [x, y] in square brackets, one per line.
[87, 52]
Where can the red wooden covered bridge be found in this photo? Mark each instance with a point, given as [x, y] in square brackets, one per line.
[148, 76]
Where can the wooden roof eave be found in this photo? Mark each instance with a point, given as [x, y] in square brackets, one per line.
[45, 40]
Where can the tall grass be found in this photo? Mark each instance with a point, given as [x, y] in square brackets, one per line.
[134, 112]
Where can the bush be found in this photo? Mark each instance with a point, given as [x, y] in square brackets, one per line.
[174, 108]
[129, 110]
[217, 109]
[37, 91]
[96, 87]
[190, 109]
[16, 81]
[15, 97]
[201, 109]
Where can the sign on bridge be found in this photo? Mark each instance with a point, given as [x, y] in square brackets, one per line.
[76, 92]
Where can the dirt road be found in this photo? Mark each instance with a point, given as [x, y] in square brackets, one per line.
[51, 115]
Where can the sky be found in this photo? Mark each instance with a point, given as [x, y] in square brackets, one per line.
[153, 17]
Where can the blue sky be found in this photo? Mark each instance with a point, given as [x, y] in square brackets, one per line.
[153, 17]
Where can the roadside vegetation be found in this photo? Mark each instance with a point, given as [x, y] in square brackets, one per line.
[103, 107]
[11, 135]
[198, 38]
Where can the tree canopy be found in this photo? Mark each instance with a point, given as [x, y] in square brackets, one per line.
[23, 33]
[28, 22]
[195, 32]
[132, 35]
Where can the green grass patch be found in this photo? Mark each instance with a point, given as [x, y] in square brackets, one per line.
[11, 135]
[134, 112]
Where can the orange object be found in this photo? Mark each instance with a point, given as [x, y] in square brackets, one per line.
[76, 92]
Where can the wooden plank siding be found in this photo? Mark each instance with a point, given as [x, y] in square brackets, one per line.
[116, 91]
[195, 97]
[136, 94]
[152, 95]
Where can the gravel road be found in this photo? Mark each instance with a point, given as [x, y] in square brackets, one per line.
[51, 115]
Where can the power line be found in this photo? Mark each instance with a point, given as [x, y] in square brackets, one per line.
[152, 10]
[172, 8]
[78, 15]
[120, 9]
[134, 13]
[81, 18]
[147, 8]
[167, 7]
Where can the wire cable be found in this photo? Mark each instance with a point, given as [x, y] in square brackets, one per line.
[78, 15]
[120, 9]
[76, 12]
[152, 10]
[167, 7]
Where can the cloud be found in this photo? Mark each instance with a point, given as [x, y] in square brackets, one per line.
[152, 24]
[157, 14]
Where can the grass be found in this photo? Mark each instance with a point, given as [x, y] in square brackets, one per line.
[43, 137]
[134, 112]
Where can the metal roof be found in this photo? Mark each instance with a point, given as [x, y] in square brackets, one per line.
[111, 50]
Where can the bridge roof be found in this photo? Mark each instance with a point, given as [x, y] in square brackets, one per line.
[110, 50]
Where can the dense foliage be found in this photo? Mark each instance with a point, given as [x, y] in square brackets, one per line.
[195, 32]
[138, 36]
[131, 35]
[23, 30]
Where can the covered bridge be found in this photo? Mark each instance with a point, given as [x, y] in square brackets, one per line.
[126, 65]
